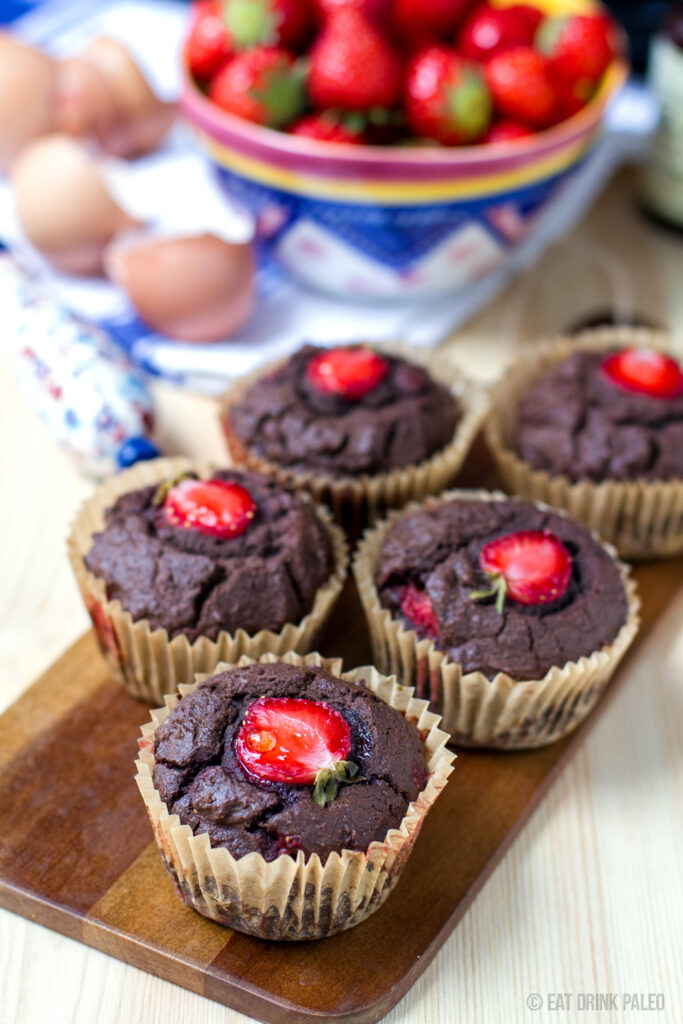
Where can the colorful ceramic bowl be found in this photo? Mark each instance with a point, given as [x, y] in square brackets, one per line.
[373, 222]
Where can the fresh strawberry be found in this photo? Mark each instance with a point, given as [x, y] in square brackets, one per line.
[578, 47]
[217, 508]
[446, 97]
[348, 372]
[267, 22]
[327, 127]
[376, 11]
[352, 67]
[521, 86]
[416, 605]
[491, 30]
[531, 567]
[423, 22]
[529, 15]
[261, 85]
[296, 741]
[507, 131]
[208, 44]
[644, 371]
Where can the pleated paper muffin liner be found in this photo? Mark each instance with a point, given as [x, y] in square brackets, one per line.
[357, 501]
[290, 897]
[478, 711]
[145, 661]
[642, 518]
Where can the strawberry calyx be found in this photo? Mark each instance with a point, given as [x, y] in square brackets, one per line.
[498, 590]
[531, 567]
[299, 742]
[328, 781]
[251, 23]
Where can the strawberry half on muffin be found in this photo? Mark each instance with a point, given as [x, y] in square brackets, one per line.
[361, 429]
[186, 563]
[306, 786]
[509, 616]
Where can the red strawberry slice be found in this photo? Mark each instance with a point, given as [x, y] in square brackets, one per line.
[531, 566]
[208, 45]
[644, 371]
[297, 741]
[348, 372]
[217, 508]
[416, 605]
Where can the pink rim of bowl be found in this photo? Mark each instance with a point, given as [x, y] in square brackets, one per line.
[296, 153]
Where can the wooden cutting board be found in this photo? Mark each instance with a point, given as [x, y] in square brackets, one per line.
[76, 855]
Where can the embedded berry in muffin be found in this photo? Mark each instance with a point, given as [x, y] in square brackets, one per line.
[260, 758]
[615, 414]
[645, 371]
[501, 586]
[530, 566]
[217, 508]
[298, 741]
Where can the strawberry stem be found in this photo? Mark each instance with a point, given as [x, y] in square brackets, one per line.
[328, 781]
[162, 490]
[498, 589]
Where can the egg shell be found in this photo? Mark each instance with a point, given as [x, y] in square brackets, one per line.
[85, 105]
[27, 97]
[142, 118]
[64, 205]
[196, 288]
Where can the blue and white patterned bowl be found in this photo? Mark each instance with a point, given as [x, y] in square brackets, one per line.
[388, 223]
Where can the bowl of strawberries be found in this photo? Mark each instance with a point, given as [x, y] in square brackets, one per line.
[391, 149]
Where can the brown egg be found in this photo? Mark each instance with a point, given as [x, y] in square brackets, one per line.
[64, 205]
[197, 288]
[85, 103]
[142, 118]
[27, 97]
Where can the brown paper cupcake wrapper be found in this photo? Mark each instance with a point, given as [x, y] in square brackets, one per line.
[291, 898]
[358, 501]
[146, 662]
[643, 519]
[478, 711]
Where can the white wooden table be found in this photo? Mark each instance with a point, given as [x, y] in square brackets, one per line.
[589, 900]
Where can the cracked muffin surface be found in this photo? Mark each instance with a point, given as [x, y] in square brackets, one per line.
[438, 551]
[574, 421]
[200, 777]
[405, 419]
[189, 583]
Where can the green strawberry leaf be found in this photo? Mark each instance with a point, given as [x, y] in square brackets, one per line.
[328, 781]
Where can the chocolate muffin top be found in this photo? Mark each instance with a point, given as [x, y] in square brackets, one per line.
[579, 421]
[186, 580]
[328, 423]
[431, 565]
[200, 775]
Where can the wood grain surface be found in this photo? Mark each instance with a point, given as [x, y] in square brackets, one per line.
[589, 897]
[76, 855]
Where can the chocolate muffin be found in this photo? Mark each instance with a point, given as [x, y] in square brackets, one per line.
[344, 412]
[200, 557]
[501, 586]
[614, 414]
[273, 758]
